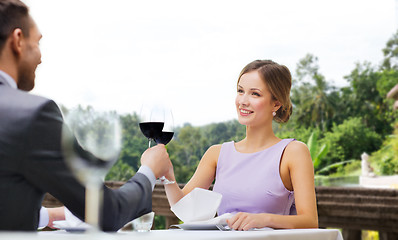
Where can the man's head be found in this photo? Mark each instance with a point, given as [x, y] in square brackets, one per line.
[19, 43]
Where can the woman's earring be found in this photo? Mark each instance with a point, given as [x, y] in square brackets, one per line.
[274, 114]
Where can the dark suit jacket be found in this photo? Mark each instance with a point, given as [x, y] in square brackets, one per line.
[31, 164]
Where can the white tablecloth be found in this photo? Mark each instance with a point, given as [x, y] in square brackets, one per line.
[291, 234]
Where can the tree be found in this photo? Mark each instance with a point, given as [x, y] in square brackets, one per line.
[349, 140]
[121, 171]
[134, 143]
[390, 52]
[310, 95]
[217, 133]
[366, 97]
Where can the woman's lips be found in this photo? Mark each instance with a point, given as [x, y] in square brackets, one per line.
[245, 112]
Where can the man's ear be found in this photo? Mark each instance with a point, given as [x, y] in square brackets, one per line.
[17, 41]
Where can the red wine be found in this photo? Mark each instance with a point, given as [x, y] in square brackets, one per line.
[151, 129]
[164, 137]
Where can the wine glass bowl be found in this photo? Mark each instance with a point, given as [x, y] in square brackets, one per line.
[167, 132]
[91, 143]
[157, 123]
[151, 130]
[151, 121]
[164, 137]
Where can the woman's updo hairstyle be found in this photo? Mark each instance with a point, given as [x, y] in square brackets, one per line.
[278, 80]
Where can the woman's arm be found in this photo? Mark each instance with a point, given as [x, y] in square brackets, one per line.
[202, 178]
[297, 173]
[302, 178]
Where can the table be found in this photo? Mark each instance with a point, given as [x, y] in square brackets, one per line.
[177, 234]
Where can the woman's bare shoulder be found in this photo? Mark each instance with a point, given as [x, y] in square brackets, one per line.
[296, 146]
[214, 150]
[297, 150]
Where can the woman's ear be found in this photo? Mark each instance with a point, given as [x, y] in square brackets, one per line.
[277, 105]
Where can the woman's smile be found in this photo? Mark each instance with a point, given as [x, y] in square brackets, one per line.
[245, 112]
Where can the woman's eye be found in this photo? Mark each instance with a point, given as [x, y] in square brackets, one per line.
[256, 94]
[240, 91]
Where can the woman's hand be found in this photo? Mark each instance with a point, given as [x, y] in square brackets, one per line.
[245, 221]
[170, 174]
[55, 214]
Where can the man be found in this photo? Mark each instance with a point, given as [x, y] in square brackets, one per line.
[31, 161]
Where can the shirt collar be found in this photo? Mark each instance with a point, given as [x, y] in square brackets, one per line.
[8, 79]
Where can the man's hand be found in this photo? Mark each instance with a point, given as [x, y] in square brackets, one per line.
[157, 159]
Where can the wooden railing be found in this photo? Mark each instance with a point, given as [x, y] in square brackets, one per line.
[349, 208]
[354, 209]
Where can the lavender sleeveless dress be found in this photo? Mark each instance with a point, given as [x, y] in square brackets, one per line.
[250, 182]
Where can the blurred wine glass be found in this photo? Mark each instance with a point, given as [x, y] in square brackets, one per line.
[91, 143]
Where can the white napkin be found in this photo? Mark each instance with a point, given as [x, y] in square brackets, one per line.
[198, 205]
[222, 219]
[71, 221]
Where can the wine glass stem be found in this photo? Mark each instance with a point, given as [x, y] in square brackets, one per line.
[149, 143]
[93, 204]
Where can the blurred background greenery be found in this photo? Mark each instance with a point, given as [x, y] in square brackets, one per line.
[338, 124]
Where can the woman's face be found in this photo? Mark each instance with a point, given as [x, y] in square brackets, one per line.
[254, 103]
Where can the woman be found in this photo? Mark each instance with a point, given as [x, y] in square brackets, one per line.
[266, 181]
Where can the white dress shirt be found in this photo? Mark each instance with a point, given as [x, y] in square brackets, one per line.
[9, 79]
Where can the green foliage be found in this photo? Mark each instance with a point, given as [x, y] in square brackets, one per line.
[121, 171]
[313, 97]
[345, 168]
[159, 222]
[353, 168]
[334, 169]
[134, 142]
[217, 133]
[367, 97]
[294, 130]
[387, 79]
[385, 160]
[349, 140]
[391, 53]
[317, 151]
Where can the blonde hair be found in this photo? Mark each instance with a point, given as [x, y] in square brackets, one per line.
[279, 82]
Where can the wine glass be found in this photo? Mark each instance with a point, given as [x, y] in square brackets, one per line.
[151, 121]
[91, 143]
[156, 123]
[167, 132]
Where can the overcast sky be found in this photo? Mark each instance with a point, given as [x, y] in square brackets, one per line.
[113, 55]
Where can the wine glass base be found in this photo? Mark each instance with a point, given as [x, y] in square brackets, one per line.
[164, 181]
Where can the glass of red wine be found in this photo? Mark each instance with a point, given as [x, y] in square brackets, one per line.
[156, 123]
[151, 121]
[167, 132]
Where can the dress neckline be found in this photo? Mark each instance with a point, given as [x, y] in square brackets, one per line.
[263, 150]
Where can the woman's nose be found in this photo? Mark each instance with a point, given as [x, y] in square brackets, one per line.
[243, 100]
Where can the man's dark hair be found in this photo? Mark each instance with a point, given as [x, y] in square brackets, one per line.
[13, 14]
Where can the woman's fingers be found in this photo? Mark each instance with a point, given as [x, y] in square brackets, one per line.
[237, 222]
